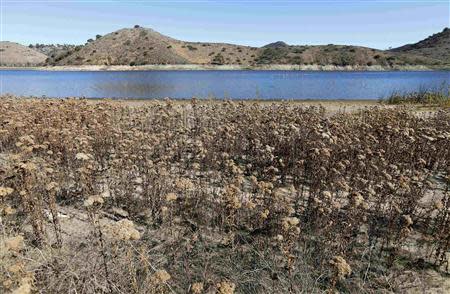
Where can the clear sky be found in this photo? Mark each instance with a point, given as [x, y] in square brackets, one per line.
[372, 23]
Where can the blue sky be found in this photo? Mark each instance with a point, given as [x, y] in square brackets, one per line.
[377, 24]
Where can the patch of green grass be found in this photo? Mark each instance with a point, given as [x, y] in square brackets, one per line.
[438, 97]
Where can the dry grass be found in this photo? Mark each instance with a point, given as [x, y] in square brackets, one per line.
[221, 197]
[13, 54]
[141, 46]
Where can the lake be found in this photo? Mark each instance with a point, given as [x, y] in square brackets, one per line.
[218, 84]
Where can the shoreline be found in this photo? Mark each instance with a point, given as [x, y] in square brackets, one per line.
[188, 100]
[199, 67]
[330, 106]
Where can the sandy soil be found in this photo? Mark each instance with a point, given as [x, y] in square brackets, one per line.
[331, 106]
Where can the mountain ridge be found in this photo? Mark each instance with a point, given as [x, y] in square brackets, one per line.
[144, 46]
[14, 54]
[435, 46]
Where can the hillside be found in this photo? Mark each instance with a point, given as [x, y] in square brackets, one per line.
[55, 52]
[13, 54]
[140, 46]
[436, 46]
[338, 55]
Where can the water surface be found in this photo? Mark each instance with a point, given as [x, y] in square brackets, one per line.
[218, 84]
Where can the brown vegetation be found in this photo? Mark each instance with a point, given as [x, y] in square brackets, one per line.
[436, 46]
[140, 46]
[221, 197]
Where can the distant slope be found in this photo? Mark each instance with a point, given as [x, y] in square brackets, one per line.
[278, 44]
[55, 52]
[338, 55]
[436, 46]
[13, 54]
[139, 46]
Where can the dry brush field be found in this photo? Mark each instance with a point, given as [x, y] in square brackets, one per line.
[224, 197]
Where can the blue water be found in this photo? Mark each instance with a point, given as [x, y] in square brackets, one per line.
[218, 84]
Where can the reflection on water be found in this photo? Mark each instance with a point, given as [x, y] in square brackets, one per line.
[124, 88]
[219, 84]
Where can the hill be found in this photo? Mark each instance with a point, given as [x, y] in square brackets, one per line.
[277, 44]
[140, 46]
[55, 52]
[143, 46]
[436, 46]
[13, 54]
[338, 55]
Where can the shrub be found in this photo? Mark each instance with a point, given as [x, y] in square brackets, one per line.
[218, 59]
[220, 197]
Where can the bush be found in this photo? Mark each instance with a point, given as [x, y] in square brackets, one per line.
[270, 55]
[227, 196]
[218, 59]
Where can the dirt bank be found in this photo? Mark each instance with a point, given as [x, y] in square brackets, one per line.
[219, 67]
